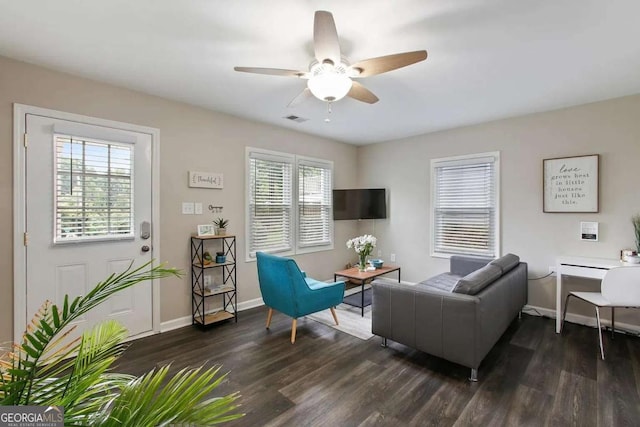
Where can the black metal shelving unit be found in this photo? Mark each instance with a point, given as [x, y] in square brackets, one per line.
[200, 296]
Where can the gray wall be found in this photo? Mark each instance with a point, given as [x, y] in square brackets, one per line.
[191, 139]
[609, 128]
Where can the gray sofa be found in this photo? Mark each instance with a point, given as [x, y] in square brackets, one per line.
[459, 315]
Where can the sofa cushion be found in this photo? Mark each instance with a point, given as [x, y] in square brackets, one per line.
[444, 282]
[461, 265]
[506, 262]
[476, 281]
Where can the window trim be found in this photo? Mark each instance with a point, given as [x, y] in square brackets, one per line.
[471, 159]
[295, 161]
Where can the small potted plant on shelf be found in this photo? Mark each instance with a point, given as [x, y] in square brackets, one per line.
[221, 226]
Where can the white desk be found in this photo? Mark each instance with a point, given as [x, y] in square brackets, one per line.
[592, 268]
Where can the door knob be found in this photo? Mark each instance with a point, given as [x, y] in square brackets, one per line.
[146, 248]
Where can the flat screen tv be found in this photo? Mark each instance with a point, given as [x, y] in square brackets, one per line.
[365, 203]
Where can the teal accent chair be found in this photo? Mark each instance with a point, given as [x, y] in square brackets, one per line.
[287, 289]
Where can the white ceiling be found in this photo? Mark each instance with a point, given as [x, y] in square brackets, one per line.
[488, 59]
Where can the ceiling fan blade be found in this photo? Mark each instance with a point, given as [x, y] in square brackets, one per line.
[361, 93]
[382, 64]
[325, 37]
[303, 96]
[272, 71]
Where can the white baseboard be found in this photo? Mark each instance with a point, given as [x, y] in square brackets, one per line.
[580, 319]
[252, 303]
[181, 322]
[170, 325]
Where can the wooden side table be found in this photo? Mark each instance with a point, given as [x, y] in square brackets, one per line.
[356, 275]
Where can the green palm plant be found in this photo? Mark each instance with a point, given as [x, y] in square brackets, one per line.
[49, 368]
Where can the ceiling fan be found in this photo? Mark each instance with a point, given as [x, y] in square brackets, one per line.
[330, 74]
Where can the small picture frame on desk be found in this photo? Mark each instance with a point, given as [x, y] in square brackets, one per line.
[570, 184]
[206, 230]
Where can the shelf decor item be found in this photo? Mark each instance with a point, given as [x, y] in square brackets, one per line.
[570, 184]
[206, 230]
[363, 245]
[221, 226]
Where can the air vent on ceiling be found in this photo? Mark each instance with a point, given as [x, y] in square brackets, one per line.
[295, 118]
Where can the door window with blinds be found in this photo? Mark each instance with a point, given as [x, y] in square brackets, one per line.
[93, 190]
[465, 201]
[288, 203]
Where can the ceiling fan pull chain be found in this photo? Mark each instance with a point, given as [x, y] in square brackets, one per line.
[328, 119]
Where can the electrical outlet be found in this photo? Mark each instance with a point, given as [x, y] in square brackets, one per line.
[207, 280]
[393, 257]
[552, 270]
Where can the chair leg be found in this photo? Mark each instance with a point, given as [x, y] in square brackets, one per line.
[269, 317]
[384, 342]
[564, 313]
[613, 321]
[335, 316]
[599, 331]
[474, 376]
[293, 330]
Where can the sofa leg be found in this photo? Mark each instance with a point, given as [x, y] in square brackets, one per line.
[474, 376]
[384, 343]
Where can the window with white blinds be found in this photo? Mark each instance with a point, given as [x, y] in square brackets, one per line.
[314, 204]
[270, 203]
[279, 220]
[465, 205]
[94, 190]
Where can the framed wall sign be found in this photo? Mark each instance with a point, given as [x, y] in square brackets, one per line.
[205, 179]
[570, 184]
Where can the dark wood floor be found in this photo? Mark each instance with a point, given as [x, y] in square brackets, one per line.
[532, 376]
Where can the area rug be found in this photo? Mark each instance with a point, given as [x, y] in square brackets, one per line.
[351, 322]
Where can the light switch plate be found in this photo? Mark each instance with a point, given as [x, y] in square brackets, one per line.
[198, 208]
[187, 208]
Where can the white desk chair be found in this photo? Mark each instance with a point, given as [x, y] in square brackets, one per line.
[620, 288]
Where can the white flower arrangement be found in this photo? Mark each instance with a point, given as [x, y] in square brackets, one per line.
[363, 245]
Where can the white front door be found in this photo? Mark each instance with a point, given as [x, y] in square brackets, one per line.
[88, 214]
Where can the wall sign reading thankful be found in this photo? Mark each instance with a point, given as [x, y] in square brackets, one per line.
[570, 184]
[205, 179]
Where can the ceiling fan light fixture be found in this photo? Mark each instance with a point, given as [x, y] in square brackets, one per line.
[328, 82]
